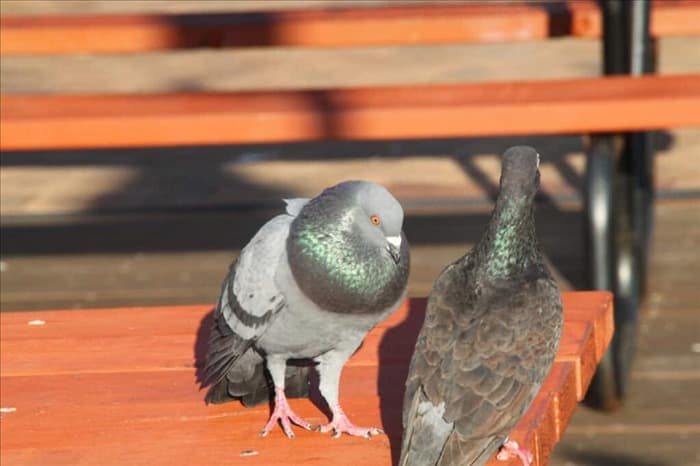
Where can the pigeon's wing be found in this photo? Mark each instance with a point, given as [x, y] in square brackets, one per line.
[501, 356]
[480, 360]
[425, 433]
[249, 301]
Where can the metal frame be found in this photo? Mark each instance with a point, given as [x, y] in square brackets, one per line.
[619, 200]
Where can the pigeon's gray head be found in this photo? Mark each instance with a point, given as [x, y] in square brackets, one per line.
[377, 215]
[346, 248]
[520, 175]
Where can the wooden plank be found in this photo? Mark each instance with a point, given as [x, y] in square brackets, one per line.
[36, 122]
[358, 26]
[96, 354]
[337, 27]
[579, 348]
[150, 413]
[66, 343]
[158, 417]
[585, 306]
[668, 18]
[565, 396]
[126, 422]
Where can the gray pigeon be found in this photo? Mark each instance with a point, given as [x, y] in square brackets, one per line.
[309, 286]
[491, 330]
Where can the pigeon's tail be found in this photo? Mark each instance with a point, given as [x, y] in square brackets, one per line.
[425, 432]
[224, 351]
[429, 440]
[234, 370]
[244, 380]
[468, 451]
[248, 382]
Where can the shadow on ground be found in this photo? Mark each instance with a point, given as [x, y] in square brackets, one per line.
[393, 371]
[598, 458]
[137, 217]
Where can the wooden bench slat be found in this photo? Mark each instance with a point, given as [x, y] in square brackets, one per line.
[158, 417]
[359, 26]
[356, 26]
[80, 342]
[579, 348]
[586, 306]
[581, 306]
[176, 353]
[114, 405]
[667, 18]
[35, 122]
[130, 321]
[135, 425]
[119, 403]
[108, 323]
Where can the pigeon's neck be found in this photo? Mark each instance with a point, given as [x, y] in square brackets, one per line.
[509, 245]
[340, 272]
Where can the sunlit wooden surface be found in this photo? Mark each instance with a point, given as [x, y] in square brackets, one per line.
[334, 27]
[483, 109]
[118, 386]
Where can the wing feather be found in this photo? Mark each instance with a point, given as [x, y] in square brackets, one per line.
[249, 299]
[476, 357]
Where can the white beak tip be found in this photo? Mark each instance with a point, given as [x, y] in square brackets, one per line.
[394, 241]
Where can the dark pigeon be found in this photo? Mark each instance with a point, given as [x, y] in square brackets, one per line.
[309, 286]
[492, 327]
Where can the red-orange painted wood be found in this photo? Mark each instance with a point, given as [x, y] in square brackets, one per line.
[583, 309]
[118, 386]
[358, 26]
[35, 122]
[668, 18]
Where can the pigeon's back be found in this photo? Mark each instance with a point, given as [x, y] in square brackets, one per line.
[492, 327]
[249, 301]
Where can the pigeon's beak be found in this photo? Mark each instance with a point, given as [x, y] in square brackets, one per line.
[393, 247]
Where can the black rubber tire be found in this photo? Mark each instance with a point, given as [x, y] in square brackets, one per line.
[644, 206]
[627, 267]
[598, 196]
[614, 250]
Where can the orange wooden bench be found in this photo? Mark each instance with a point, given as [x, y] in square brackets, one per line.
[356, 26]
[32, 122]
[118, 386]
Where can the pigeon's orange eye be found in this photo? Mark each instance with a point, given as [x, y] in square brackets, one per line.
[375, 220]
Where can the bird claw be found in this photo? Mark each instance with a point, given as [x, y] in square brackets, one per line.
[284, 414]
[341, 424]
[286, 425]
[510, 449]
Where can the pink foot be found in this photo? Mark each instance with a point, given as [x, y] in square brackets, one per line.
[511, 449]
[341, 423]
[284, 414]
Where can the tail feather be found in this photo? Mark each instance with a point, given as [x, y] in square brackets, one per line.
[460, 451]
[245, 381]
[425, 432]
[225, 348]
[248, 382]
[234, 370]
[429, 440]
